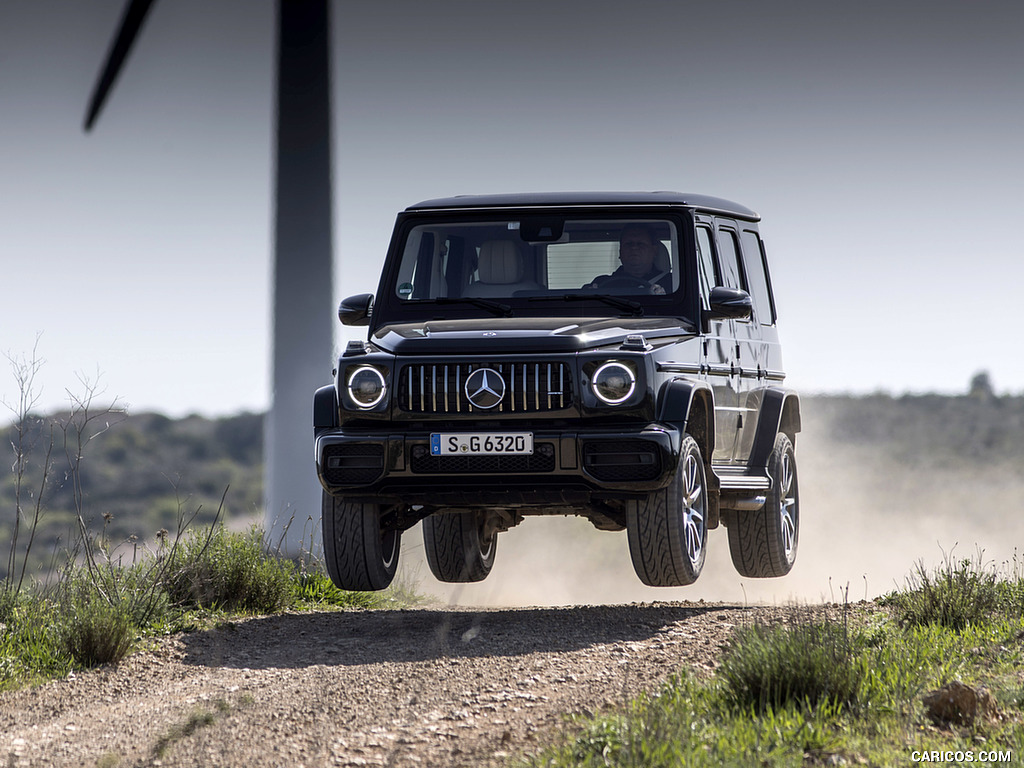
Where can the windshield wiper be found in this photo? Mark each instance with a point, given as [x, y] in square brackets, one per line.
[492, 306]
[634, 307]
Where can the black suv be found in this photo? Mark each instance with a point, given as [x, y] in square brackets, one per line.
[609, 355]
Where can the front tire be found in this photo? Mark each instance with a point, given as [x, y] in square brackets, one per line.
[458, 547]
[668, 530]
[360, 555]
[763, 543]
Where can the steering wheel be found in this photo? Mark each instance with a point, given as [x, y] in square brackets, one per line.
[623, 285]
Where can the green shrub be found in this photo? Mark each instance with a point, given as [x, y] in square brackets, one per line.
[807, 663]
[137, 588]
[228, 571]
[953, 595]
[92, 628]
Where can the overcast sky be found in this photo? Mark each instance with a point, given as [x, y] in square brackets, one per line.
[879, 141]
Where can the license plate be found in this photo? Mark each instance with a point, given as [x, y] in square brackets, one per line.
[481, 443]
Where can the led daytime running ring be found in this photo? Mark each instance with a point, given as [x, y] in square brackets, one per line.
[597, 376]
[383, 386]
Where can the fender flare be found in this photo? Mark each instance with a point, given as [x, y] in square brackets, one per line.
[676, 405]
[780, 412]
[325, 407]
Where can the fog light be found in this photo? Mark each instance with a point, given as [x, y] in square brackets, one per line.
[366, 386]
[613, 383]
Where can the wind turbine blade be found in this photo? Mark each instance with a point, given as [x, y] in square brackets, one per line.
[131, 22]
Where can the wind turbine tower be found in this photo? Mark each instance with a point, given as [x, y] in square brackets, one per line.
[303, 342]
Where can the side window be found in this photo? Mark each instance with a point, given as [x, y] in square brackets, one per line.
[728, 252]
[709, 277]
[757, 276]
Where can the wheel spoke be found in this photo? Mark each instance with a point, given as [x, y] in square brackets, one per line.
[693, 541]
[692, 496]
[787, 534]
[694, 526]
[787, 504]
[786, 481]
[788, 530]
[692, 488]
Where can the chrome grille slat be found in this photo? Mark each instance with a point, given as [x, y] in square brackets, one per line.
[530, 387]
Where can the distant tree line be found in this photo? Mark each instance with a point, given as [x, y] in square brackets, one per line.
[135, 478]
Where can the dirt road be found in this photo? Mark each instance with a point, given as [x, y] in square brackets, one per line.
[423, 687]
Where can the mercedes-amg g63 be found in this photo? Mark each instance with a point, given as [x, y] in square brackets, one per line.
[608, 355]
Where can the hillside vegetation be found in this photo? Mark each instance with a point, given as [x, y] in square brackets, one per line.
[144, 471]
[137, 475]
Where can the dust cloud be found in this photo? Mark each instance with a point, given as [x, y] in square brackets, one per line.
[866, 521]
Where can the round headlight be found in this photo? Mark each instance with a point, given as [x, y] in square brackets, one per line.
[366, 386]
[613, 383]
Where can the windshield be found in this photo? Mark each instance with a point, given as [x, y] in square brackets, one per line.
[504, 259]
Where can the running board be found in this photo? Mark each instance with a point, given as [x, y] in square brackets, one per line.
[737, 482]
[741, 492]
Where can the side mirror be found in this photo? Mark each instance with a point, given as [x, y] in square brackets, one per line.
[356, 310]
[730, 304]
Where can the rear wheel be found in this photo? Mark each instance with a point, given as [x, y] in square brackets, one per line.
[668, 530]
[359, 554]
[458, 546]
[763, 543]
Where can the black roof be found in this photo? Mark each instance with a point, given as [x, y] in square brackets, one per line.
[584, 199]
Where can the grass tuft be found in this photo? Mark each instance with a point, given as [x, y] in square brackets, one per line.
[317, 589]
[953, 595]
[805, 663]
[91, 629]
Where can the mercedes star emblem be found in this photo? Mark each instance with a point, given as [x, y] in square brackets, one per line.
[485, 388]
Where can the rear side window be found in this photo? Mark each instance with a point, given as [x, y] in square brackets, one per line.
[757, 276]
[728, 252]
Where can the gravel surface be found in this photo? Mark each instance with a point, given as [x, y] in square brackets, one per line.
[421, 687]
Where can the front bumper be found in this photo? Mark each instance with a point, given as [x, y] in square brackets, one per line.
[567, 468]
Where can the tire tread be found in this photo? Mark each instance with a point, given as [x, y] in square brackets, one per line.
[755, 543]
[352, 549]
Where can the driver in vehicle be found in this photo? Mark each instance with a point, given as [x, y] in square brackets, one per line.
[637, 249]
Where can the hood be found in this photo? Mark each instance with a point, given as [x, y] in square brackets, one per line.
[523, 335]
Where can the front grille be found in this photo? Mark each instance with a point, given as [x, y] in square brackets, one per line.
[352, 464]
[622, 460]
[440, 388]
[541, 460]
